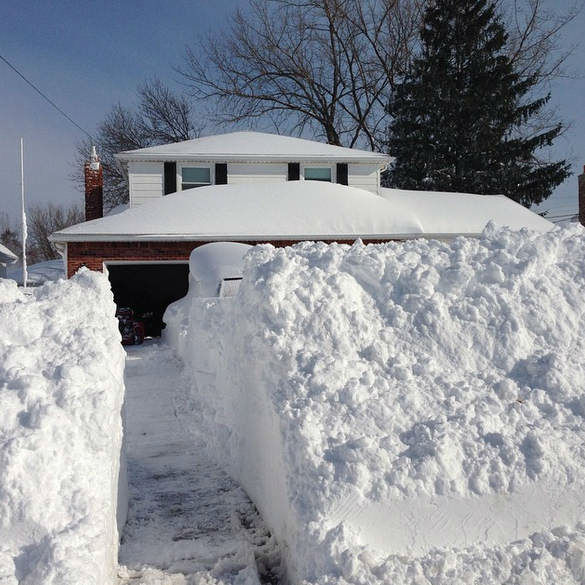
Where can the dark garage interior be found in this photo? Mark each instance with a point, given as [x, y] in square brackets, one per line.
[148, 289]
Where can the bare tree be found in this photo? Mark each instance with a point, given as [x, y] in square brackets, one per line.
[42, 221]
[319, 64]
[161, 117]
[330, 65]
[10, 234]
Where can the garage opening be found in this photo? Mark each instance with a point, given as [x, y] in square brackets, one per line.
[148, 289]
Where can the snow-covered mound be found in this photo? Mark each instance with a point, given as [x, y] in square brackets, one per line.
[61, 392]
[39, 273]
[211, 264]
[407, 412]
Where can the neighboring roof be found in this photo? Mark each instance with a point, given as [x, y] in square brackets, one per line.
[251, 146]
[457, 213]
[6, 256]
[39, 273]
[298, 210]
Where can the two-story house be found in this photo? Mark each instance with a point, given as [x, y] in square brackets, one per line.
[254, 187]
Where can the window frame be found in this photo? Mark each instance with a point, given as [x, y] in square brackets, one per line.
[198, 165]
[330, 166]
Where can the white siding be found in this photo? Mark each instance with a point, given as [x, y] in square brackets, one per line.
[257, 173]
[363, 176]
[145, 180]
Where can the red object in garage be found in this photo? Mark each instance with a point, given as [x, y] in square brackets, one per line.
[132, 330]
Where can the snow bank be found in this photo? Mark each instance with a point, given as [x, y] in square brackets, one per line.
[39, 273]
[408, 412]
[61, 392]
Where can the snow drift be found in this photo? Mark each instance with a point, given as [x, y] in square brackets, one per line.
[61, 392]
[404, 413]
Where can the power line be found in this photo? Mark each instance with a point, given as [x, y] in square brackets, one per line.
[44, 96]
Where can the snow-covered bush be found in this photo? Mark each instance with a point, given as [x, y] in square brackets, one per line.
[423, 399]
[61, 393]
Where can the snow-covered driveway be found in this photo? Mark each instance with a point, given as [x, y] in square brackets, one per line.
[188, 522]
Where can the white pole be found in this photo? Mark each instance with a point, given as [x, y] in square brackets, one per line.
[23, 215]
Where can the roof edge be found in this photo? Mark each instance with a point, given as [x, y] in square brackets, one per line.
[381, 159]
[66, 238]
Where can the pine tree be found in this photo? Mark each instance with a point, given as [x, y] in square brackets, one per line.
[460, 118]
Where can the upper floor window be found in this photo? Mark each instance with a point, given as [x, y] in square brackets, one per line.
[195, 177]
[318, 174]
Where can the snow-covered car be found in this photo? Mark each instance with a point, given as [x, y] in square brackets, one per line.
[215, 269]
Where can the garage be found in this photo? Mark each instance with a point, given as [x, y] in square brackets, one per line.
[148, 289]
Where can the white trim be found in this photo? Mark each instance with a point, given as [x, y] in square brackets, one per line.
[382, 160]
[253, 237]
[146, 262]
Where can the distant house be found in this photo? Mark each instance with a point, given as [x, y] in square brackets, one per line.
[251, 187]
[6, 258]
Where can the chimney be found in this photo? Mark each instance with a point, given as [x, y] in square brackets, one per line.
[94, 186]
[581, 180]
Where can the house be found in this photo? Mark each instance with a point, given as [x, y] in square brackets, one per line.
[254, 188]
[6, 258]
[246, 157]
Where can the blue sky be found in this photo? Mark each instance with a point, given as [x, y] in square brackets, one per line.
[88, 56]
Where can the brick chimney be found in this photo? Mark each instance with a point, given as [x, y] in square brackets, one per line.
[582, 197]
[94, 187]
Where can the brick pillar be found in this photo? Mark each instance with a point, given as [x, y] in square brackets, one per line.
[94, 187]
[582, 198]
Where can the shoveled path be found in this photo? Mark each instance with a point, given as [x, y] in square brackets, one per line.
[188, 521]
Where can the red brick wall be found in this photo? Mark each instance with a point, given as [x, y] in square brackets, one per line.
[94, 254]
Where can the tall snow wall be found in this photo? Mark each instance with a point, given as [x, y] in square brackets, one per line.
[61, 394]
[404, 413]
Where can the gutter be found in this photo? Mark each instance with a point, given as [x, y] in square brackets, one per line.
[65, 238]
[222, 157]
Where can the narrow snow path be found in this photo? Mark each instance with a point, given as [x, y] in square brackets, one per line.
[188, 522]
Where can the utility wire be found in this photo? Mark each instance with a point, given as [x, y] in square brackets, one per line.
[44, 96]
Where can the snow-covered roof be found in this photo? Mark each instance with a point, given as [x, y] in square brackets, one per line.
[458, 213]
[297, 210]
[6, 256]
[252, 146]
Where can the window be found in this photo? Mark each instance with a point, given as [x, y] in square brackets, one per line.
[318, 174]
[195, 177]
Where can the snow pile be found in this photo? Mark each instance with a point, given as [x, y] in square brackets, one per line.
[407, 412]
[39, 273]
[61, 392]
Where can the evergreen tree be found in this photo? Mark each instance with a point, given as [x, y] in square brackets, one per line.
[460, 117]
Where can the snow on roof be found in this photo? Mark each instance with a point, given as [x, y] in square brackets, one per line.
[39, 273]
[457, 213]
[252, 146]
[6, 256]
[299, 210]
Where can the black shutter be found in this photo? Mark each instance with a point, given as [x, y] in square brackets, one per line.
[342, 173]
[294, 171]
[220, 173]
[170, 177]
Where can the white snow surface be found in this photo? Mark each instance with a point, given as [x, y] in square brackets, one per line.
[303, 210]
[249, 146]
[406, 412]
[188, 521]
[61, 393]
[442, 214]
[38, 273]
